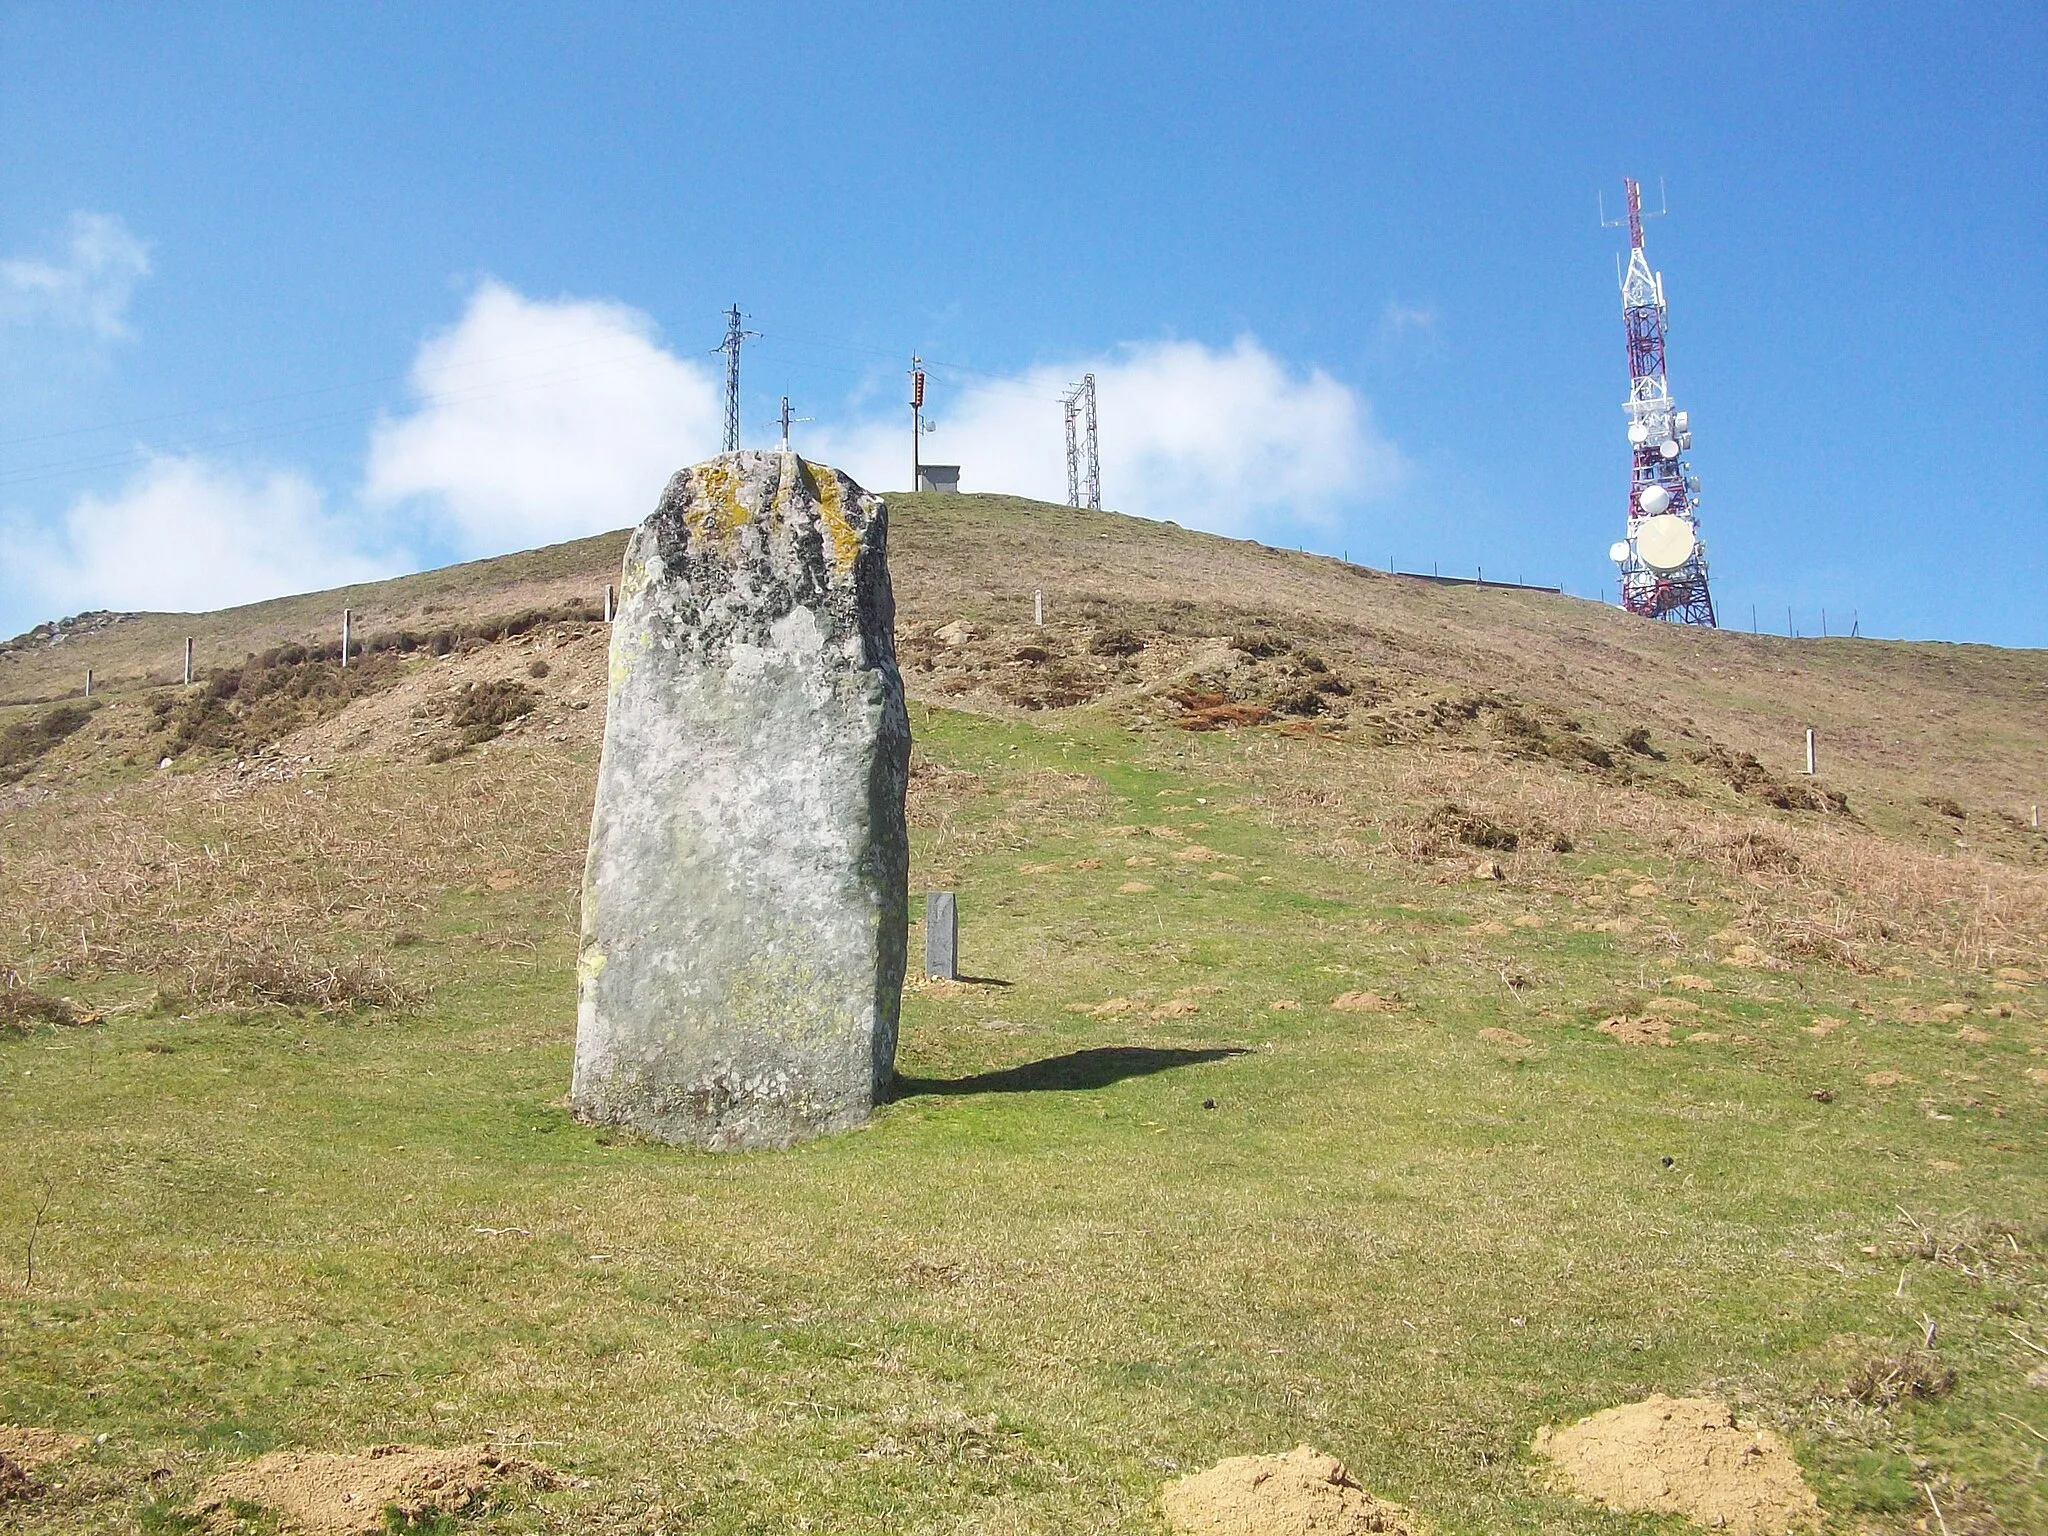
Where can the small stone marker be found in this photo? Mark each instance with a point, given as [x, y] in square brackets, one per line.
[941, 935]
[745, 902]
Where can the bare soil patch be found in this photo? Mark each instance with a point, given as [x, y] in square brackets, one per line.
[22, 1450]
[29, 1447]
[1631, 1030]
[1299, 1493]
[340, 1495]
[1364, 1002]
[1683, 1456]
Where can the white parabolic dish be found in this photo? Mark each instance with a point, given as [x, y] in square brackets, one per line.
[1653, 499]
[1664, 543]
[1618, 551]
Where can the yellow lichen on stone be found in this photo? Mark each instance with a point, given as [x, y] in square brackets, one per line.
[634, 577]
[840, 535]
[715, 512]
[628, 645]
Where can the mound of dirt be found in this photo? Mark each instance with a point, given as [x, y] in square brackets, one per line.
[28, 1447]
[1632, 1030]
[1364, 1002]
[1683, 1456]
[336, 1495]
[1299, 1493]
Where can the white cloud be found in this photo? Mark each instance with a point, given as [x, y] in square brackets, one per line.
[185, 534]
[1220, 438]
[538, 421]
[87, 288]
[1399, 319]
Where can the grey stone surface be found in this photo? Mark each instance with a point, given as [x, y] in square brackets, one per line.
[745, 900]
[941, 935]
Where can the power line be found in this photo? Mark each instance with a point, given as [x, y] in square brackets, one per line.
[929, 365]
[298, 394]
[241, 436]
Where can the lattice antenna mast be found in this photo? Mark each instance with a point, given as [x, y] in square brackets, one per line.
[1663, 562]
[734, 335]
[1082, 473]
[916, 423]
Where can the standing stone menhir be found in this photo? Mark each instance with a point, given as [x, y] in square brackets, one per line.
[744, 905]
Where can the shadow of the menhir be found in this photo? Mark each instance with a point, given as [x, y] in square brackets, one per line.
[1096, 1067]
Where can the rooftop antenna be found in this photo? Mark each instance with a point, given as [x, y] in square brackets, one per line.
[787, 419]
[1079, 402]
[734, 335]
[1663, 563]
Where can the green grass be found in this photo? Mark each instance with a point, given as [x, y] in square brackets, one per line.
[1043, 1282]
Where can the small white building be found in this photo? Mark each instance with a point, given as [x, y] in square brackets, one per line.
[939, 477]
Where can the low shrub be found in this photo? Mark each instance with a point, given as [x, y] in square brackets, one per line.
[266, 977]
[1883, 1380]
[481, 711]
[1451, 822]
[22, 1008]
[24, 742]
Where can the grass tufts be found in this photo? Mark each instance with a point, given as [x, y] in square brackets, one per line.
[23, 742]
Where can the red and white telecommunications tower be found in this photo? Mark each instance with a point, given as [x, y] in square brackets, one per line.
[1663, 563]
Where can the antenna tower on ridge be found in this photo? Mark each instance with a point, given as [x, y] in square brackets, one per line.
[1663, 563]
[734, 335]
[787, 421]
[1079, 401]
[916, 422]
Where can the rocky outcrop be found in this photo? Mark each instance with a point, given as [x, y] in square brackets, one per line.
[744, 919]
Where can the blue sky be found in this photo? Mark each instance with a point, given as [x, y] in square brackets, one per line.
[294, 294]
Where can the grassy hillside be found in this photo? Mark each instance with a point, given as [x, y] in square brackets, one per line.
[1898, 720]
[1405, 1017]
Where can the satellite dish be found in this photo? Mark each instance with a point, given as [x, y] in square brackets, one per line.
[1638, 433]
[1618, 551]
[1665, 543]
[1653, 499]
[1669, 447]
